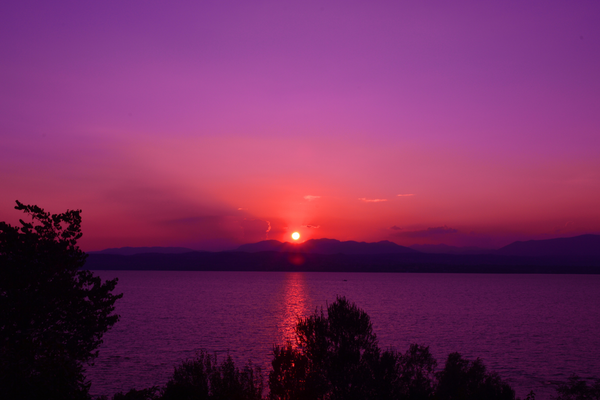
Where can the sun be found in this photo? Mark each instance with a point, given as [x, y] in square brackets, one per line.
[295, 236]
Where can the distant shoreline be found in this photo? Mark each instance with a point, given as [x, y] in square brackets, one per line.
[302, 262]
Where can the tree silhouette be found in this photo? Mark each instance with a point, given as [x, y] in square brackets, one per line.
[152, 393]
[415, 373]
[288, 380]
[202, 378]
[52, 313]
[578, 389]
[336, 357]
[469, 380]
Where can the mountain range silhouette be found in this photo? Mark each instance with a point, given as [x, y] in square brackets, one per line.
[578, 255]
[577, 246]
[129, 251]
[327, 246]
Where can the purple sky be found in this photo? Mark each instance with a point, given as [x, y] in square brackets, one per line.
[210, 124]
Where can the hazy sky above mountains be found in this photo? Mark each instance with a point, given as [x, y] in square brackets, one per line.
[206, 124]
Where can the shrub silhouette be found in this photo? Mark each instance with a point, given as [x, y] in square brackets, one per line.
[52, 314]
[336, 357]
[288, 380]
[203, 379]
[578, 389]
[469, 380]
[405, 376]
[152, 393]
[416, 373]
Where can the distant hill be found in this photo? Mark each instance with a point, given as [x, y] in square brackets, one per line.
[578, 246]
[327, 246]
[129, 251]
[445, 249]
[282, 261]
[576, 255]
[265, 245]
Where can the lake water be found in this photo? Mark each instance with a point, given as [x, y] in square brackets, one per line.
[534, 330]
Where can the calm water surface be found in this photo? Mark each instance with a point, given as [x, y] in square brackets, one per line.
[532, 329]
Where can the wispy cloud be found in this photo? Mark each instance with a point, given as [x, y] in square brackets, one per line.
[406, 195]
[396, 228]
[565, 227]
[310, 197]
[435, 231]
[255, 229]
[312, 226]
[371, 200]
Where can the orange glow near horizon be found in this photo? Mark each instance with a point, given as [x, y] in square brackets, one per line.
[255, 140]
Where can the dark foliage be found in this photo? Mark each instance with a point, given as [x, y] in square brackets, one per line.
[202, 378]
[336, 356]
[416, 374]
[405, 376]
[578, 389]
[530, 395]
[469, 380]
[152, 393]
[288, 380]
[52, 314]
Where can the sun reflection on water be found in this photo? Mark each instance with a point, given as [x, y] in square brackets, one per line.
[295, 305]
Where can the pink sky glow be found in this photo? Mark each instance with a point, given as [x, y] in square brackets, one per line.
[212, 124]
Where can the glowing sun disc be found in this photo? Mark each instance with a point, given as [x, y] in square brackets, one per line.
[295, 236]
